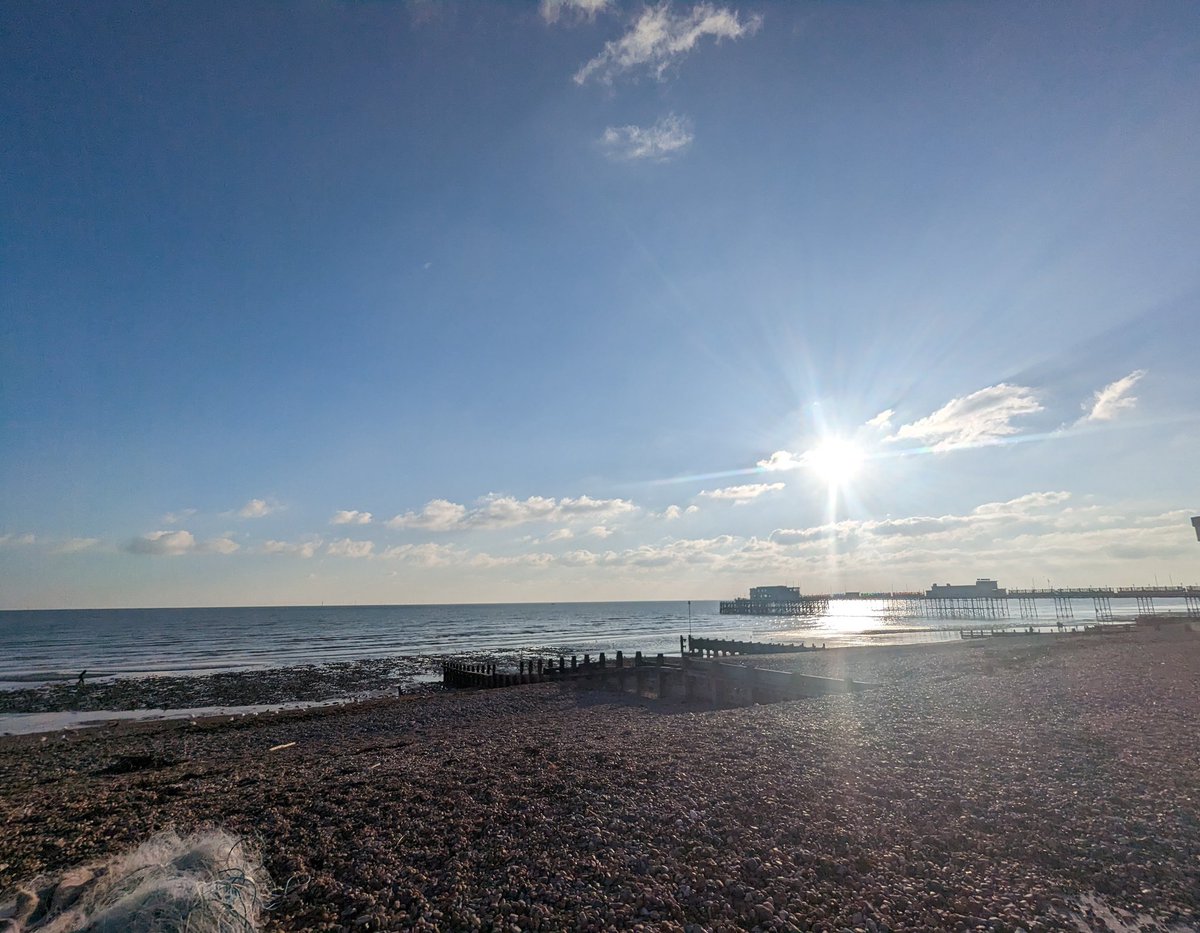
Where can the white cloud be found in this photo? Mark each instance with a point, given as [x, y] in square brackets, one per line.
[532, 559]
[350, 517]
[883, 420]
[169, 543]
[659, 37]
[174, 543]
[305, 549]
[1022, 505]
[673, 512]
[781, 460]
[257, 508]
[740, 495]
[438, 515]
[506, 511]
[348, 547]
[174, 518]
[576, 10]
[600, 531]
[13, 540]
[559, 534]
[660, 142]
[983, 417]
[426, 555]
[1005, 540]
[75, 545]
[679, 552]
[1105, 404]
[986, 519]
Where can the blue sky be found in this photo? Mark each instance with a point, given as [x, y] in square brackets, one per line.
[458, 301]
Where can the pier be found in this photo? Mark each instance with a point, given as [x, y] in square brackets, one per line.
[983, 600]
[688, 677]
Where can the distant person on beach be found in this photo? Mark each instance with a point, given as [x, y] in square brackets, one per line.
[82, 674]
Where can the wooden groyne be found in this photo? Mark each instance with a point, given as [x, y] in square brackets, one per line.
[688, 678]
[538, 670]
[727, 647]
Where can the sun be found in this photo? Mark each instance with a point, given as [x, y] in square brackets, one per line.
[836, 461]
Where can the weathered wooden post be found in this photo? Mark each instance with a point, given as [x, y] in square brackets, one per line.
[574, 664]
[601, 660]
[540, 668]
[682, 653]
[620, 659]
[637, 659]
[640, 678]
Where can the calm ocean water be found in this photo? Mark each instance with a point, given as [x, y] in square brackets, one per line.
[40, 646]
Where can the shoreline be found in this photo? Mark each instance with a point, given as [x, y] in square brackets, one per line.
[260, 689]
[997, 784]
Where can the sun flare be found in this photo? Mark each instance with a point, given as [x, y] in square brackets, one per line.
[836, 461]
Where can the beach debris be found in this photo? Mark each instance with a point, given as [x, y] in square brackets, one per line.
[207, 882]
[279, 748]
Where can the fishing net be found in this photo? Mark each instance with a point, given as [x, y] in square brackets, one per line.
[207, 882]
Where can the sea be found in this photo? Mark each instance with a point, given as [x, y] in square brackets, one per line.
[43, 646]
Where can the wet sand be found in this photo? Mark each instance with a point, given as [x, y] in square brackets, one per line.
[999, 784]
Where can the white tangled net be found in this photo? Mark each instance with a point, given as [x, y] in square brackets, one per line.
[206, 882]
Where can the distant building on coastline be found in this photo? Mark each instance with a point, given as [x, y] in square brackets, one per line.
[983, 588]
[1196, 525]
[777, 594]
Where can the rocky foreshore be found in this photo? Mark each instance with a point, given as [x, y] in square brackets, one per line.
[1037, 784]
[300, 684]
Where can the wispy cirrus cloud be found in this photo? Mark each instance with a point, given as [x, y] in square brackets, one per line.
[506, 511]
[659, 37]
[75, 545]
[981, 418]
[740, 495]
[573, 10]
[665, 139]
[990, 515]
[1105, 404]
[174, 518]
[350, 517]
[427, 554]
[17, 540]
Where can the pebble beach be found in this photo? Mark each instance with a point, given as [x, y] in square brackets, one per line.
[1036, 783]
